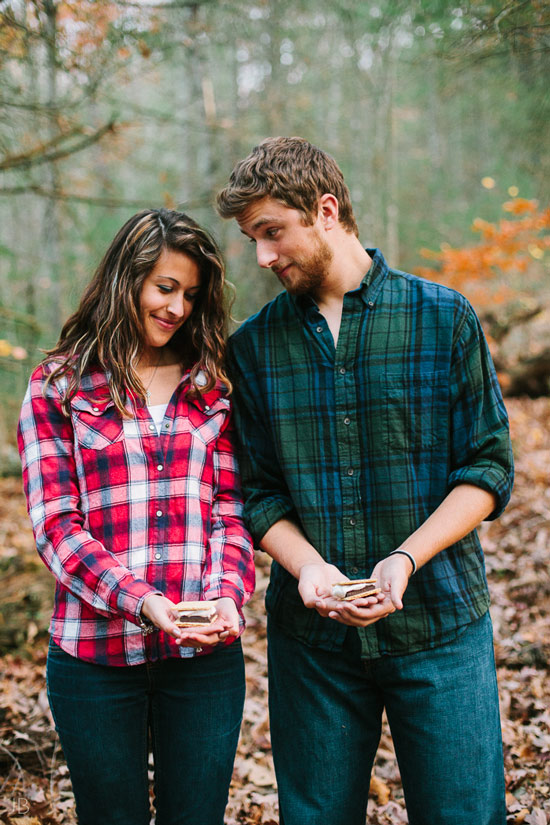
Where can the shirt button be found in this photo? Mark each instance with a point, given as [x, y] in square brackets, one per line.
[319, 329]
[160, 467]
[95, 409]
[158, 556]
[206, 407]
[152, 427]
[342, 370]
[167, 426]
[159, 512]
[352, 522]
[354, 570]
[347, 420]
[350, 471]
[371, 303]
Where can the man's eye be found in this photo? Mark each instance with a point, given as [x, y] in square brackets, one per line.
[272, 233]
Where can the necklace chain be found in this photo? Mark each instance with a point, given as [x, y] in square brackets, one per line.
[147, 393]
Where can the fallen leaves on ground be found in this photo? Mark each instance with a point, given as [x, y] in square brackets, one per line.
[36, 790]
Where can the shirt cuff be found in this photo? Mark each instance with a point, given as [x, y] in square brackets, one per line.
[493, 480]
[262, 517]
[130, 599]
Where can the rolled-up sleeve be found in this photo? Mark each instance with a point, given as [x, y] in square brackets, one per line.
[266, 495]
[481, 452]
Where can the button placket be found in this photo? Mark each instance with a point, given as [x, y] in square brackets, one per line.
[347, 418]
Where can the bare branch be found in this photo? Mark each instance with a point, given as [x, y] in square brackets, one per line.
[110, 203]
[42, 153]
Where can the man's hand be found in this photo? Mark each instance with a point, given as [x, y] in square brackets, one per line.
[392, 575]
[315, 582]
[315, 587]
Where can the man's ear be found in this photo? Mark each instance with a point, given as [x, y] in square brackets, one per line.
[328, 211]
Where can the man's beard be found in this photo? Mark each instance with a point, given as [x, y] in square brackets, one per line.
[312, 273]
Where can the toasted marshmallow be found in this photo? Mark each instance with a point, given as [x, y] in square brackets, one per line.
[357, 589]
[192, 614]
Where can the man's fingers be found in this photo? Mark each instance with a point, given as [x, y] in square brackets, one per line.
[308, 592]
[357, 616]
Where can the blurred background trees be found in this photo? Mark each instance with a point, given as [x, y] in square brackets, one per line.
[436, 111]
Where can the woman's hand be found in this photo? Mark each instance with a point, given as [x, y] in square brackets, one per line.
[226, 624]
[162, 612]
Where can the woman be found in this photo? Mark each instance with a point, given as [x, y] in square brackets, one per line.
[134, 496]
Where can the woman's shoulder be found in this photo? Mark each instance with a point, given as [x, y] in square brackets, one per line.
[56, 371]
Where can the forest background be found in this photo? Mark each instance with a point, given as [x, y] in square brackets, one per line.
[438, 114]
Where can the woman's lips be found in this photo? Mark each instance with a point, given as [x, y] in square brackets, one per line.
[162, 322]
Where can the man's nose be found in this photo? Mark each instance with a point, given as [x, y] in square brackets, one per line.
[265, 254]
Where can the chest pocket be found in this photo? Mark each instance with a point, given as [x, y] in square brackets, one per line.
[415, 411]
[205, 421]
[97, 425]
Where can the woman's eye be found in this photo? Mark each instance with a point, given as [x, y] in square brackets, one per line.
[192, 297]
[164, 289]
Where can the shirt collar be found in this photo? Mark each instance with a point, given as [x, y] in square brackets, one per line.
[367, 290]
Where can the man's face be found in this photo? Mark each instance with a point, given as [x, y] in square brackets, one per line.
[297, 253]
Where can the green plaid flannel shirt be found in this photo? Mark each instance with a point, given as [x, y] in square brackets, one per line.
[360, 444]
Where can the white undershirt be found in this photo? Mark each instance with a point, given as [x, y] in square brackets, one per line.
[157, 413]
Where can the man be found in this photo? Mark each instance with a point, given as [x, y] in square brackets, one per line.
[374, 440]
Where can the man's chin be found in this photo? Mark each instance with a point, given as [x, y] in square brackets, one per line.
[294, 288]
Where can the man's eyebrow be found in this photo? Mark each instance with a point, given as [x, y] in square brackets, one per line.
[262, 222]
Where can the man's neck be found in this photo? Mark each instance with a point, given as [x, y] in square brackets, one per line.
[350, 264]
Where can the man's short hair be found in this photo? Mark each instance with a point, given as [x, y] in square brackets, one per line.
[291, 170]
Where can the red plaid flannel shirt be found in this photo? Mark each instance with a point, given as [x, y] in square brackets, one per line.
[116, 518]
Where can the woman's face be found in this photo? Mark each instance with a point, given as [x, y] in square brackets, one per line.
[167, 297]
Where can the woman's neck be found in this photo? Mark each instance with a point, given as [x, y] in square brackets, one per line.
[160, 373]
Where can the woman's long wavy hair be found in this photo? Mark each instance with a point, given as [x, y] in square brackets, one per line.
[107, 329]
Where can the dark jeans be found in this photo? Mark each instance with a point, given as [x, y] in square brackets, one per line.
[192, 708]
[442, 706]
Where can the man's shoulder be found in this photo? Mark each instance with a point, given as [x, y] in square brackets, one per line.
[429, 290]
[274, 312]
[441, 303]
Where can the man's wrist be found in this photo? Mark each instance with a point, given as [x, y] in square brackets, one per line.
[411, 558]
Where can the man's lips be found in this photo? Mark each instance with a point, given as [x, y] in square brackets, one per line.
[282, 273]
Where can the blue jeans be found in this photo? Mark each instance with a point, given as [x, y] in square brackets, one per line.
[190, 708]
[442, 707]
